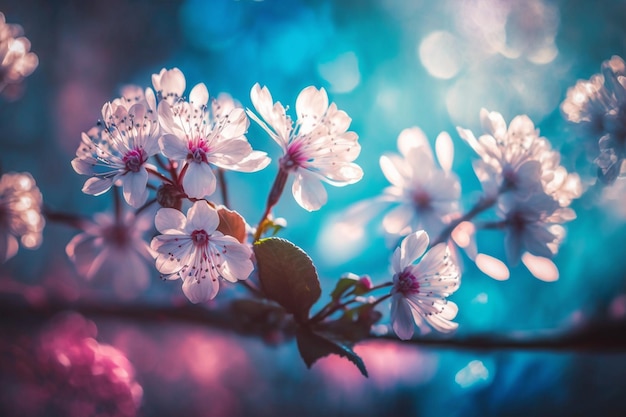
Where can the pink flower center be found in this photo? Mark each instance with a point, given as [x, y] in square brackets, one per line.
[197, 152]
[134, 159]
[117, 235]
[421, 199]
[407, 283]
[294, 158]
[200, 238]
[509, 178]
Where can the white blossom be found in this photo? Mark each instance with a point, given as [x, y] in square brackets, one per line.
[317, 148]
[119, 150]
[420, 289]
[532, 225]
[191, 248]
[202, 136]
[425, 196]
[598, 108]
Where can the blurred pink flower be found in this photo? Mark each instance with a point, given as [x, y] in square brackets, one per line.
[16, 60]
[115, 249]
[20, 213]
[65, 371]
[426, 197]
[531, 225]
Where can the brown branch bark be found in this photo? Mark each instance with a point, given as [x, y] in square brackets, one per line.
[604, 337]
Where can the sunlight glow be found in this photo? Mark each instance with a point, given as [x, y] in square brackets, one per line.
[475, 372]
[440, 55]
[342, 73]
[340, 240]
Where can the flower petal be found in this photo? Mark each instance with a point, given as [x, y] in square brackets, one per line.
[255, 161]
[97, 185]
[493, 123]
[395, 169]
[444, 148]
[201, 216]
[237, 258]
[199, 180]
[413, 138]
[168, 220]
[398, 219]
[173, 147]
[200, 291]
[236, 124]
[412, 247]
[311, 105]
[134, 185]
[309, 191]
[401, 317]
[199, 95]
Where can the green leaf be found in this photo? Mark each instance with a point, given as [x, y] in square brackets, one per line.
[343, 285]
[232, 224]
[313, 346]
[287, 276]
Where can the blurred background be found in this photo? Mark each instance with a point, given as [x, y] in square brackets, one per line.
[390, 64]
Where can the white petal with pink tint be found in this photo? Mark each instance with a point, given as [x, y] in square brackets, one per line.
[199, 180]
[309, 191]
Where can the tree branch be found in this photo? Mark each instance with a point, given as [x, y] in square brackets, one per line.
[601, 337]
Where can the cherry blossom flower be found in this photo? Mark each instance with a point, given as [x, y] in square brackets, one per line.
[20, 214]
[119, 149]
[420, 290]
[16, 60]
[598, 107]
[202, 136]
[318, 148]
[426, 197]
[518, 160]
[191, 248]
[533, 226]
[114, 248]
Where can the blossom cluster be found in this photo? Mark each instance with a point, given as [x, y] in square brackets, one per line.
[521, 174]
[158, 143]
[16, 60]
[597, 106]
[20, 214]
[162, 153]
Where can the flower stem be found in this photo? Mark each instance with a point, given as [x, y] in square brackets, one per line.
[483, 204]
[117, 204]
[272, 199]
[159, 176]
[252, 288]
[330, 309]
[68, 219]
[223, 187]
[145, 206]
[384, 285]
